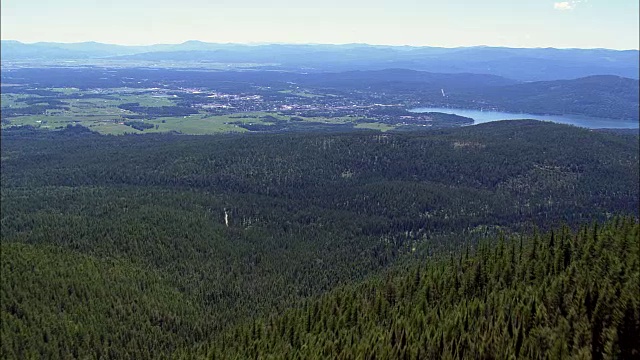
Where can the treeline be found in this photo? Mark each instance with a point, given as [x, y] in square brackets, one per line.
[139, 125]
[38, 109]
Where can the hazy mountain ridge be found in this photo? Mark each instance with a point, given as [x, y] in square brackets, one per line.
[526, 64]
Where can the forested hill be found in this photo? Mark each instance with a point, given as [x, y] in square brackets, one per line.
[560, 295]
[154, 246]
[597, 96]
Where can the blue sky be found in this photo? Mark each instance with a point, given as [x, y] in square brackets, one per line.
[515, 23]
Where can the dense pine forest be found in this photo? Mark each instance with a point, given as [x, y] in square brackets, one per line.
[504, 240]
[561, 295]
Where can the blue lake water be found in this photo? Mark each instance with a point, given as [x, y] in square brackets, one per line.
[480, 117]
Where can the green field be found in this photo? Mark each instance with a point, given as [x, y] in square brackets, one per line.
[196, 124]
[9, 100]
[300, 93]
[99, 111]
[375, 126]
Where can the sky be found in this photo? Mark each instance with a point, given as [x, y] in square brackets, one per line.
[447, 23]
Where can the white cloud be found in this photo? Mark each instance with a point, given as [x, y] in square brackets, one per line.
[568, 5]
[565, 5]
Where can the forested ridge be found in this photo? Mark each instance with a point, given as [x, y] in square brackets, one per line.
[164, 246]
[561, 295]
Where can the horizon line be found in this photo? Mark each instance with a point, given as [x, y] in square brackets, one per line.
[263, 43]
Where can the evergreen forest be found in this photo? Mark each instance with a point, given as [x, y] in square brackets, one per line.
[505, 240]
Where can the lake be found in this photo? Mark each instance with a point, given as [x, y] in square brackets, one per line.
[480, 117]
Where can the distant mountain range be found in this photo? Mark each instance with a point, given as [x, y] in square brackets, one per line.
[520, 64]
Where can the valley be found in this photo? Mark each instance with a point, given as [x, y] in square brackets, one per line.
[118, 101]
